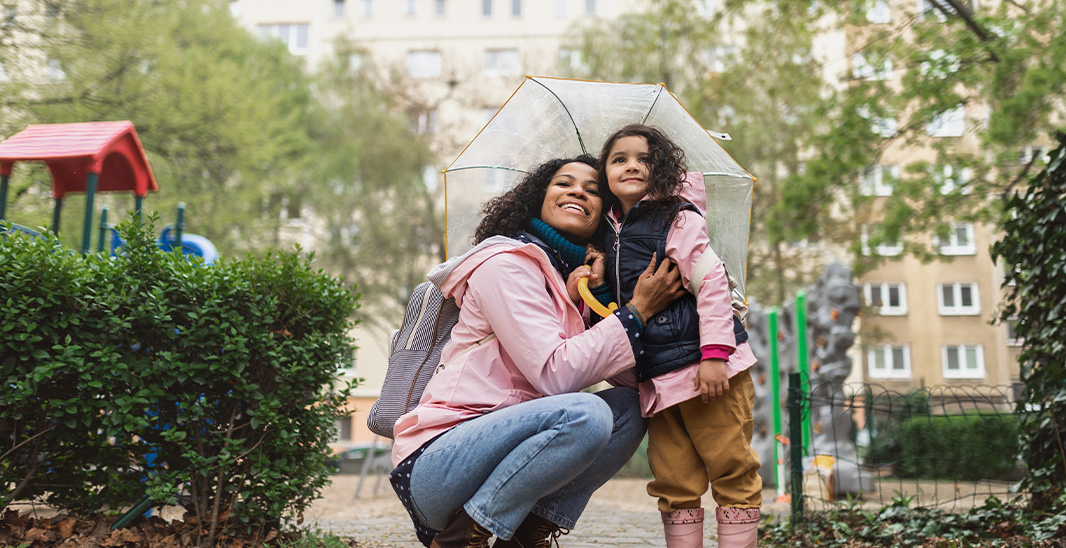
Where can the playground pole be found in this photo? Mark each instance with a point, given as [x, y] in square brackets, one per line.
[803, 363]
[179, 226]
[90, 196]
[3, 195]
[775, 399]
[57, 211]
[103, 230]
[138, 206]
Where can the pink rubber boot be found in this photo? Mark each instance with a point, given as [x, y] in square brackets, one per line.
[684, 528]
[737, 527]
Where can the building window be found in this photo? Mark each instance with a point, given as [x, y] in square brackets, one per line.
[1027, 154]
[440, 8]
[560, 8]
[957, 299]
[931, 9]
[411, 7]
[572, 61]
[885, 127]
[501, 62]
[356, 61]
[952, 179]
[424, 64]
[590, 7]
[957, 240]
[295, 36]
[889, 298]
[940, 64]
[338, 9]
[3, 72]
[878, 180]
[887, 248]
[10, 15]
[344, 429]
[889, 362]
[963, 361]
[486, 8]
[516, 8]
[368, 8]
[861, 69]
[54, 71]
[424, 122]
[879, 13]
[951, 123]
[1013, 339]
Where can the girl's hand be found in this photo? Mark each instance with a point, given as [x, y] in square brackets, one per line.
[582, 271]
[712, 380]
[596, 259]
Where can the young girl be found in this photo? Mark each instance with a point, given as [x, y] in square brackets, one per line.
[693, 365]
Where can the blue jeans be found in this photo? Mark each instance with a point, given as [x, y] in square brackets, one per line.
[544, 456]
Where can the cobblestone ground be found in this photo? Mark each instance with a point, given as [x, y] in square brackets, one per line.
[620, 514]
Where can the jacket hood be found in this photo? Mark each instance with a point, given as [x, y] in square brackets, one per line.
[451, 276]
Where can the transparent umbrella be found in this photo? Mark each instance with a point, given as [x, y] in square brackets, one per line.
[549, 118]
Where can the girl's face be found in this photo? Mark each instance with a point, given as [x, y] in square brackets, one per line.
[572, 203]
[627, 170]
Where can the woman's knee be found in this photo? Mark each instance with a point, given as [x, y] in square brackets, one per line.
[590, 416]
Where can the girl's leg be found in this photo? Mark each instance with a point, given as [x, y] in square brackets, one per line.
[497, 466]
[564, 506]
[680, 479]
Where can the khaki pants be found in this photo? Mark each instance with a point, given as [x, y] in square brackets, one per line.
[692, 444]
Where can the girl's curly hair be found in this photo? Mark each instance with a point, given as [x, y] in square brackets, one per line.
[666, 167]
[512, 211]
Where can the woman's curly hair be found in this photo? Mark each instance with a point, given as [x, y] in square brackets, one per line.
[666, 167]
[512, 211]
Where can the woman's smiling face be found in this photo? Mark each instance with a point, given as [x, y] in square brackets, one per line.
[572, 203]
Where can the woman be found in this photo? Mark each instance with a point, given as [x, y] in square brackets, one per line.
[501, 444]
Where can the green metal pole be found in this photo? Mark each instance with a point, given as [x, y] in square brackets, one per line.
[795, 427]
[138, 206]
[103, 232]
[803, 363]
[179, 226]
[90, 196]
[133, 513]
[3, 195]
[57, 212]
[775, 399]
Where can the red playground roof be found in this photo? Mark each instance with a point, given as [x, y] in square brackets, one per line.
[72, 151]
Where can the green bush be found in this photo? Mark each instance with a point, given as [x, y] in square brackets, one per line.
[151, 372]
[967, 447]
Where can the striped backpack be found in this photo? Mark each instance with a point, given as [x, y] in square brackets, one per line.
[414, 353]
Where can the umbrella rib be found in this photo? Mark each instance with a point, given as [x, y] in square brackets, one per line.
[652, 107]
[580, 141]
[489, 167]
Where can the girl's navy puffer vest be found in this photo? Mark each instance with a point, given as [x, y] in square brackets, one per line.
[671, 338]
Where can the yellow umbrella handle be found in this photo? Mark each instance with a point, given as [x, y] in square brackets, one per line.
[595, 305]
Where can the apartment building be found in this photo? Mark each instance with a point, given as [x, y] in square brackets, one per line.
[930, 323]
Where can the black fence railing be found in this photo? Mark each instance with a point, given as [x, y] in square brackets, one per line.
[945, 447]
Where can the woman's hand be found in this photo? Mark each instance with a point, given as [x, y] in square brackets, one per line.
[712, 380]
[582, 271]
[657, 287]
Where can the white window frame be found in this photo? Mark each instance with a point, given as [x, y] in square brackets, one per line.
[486, 8]
[3, 72]
[424, 63]
[861, 69]
[440, 8]
[410, 8]
[956, 308]
[338, 9]
[1012, 338]
[950, 123]
[718, 58]
[890, 371]
[883, 250]
[502, 62]
[879, 13]
[295, 36]
[926, 8]
[516, 8]
[935, 56]
[367, 8]
[953, 244]
[590, 7]
[950, 178]
[883, 288]
[872, 180]
[966, 370]
[560, 8]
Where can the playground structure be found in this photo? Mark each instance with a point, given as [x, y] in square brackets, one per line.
[92, 157]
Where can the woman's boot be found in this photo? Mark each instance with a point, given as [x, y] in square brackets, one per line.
[684, 528]
[534, 532]
[462, 531]
[737, 527]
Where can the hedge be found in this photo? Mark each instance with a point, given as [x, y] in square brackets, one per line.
[963, 447]
[151, 373]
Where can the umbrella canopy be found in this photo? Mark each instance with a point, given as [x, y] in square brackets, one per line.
[550, 118]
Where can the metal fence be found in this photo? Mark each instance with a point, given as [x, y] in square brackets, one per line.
[945, 447]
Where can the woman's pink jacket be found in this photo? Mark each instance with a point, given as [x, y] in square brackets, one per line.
[541, 346]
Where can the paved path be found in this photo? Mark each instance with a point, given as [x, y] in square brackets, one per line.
[620, 514]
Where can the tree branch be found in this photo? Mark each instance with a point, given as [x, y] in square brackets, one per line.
[959, 9]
